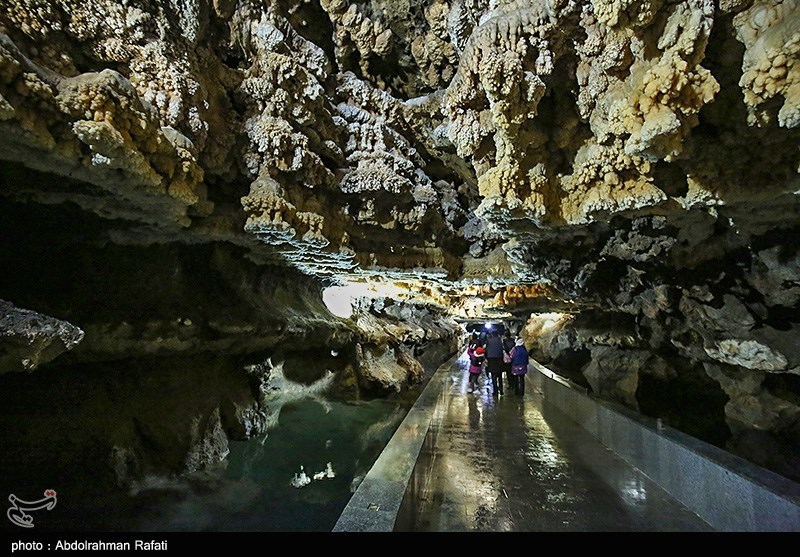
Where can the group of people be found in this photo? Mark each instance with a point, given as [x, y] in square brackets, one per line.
[499, 356]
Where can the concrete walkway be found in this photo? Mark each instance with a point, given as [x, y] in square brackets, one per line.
[518, 464]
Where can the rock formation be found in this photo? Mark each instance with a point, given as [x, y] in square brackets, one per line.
[30, 339]
[183, 177]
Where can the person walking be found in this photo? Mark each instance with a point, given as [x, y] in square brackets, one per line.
[508, 345]
[519, 366]
[477, 356]
[494, 362]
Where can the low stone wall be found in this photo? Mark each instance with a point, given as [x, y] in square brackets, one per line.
[726, 491]
[379, 499]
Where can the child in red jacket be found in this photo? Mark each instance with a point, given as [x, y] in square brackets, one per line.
[477, 356]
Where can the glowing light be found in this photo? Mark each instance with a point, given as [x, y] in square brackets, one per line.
[339, 299]
[488, 326]
[547, 321]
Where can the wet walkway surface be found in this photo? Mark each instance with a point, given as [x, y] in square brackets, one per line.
[518, 464]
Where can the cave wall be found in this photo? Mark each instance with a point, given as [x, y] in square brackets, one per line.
[180, 176]
[179, 347]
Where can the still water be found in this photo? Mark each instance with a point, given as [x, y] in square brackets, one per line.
[57, 428]
[256, 491]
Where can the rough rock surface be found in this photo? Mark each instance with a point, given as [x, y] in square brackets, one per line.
[28, 339]
[634, 163]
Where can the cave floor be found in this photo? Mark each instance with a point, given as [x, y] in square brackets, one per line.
[518, 464]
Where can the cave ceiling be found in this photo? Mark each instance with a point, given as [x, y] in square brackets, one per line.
[492, 157]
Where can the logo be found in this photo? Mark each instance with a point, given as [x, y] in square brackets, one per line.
[16, 513]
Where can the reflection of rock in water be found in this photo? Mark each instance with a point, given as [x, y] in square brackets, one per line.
[154, 485]
[374, 438]
[379, 433]
[357, 479]
[358, 475]
[277, 390]
[301, 479]
[203, 509]
[175, 486]
[327, 473]
[252, 453]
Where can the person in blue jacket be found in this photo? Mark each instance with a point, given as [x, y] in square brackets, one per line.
[519, 367]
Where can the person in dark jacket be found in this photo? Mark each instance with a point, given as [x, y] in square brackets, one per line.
[476, 359]
[519, 367]
[494, 362]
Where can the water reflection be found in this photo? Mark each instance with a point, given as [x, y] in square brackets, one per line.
[255, 492]
[633, 491]
[507, 464]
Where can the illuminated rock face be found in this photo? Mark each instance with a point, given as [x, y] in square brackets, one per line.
[634, 162]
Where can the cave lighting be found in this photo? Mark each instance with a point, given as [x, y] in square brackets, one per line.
[548, 321]
[339, 299]
[488, 326]
[470, 307]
